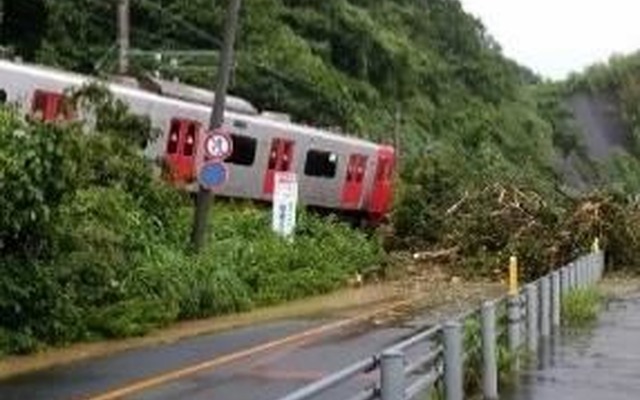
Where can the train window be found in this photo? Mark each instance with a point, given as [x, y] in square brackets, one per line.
[39, 105]
[190, 141]
[3, 96]
[174, 137]
[361, 169]
[321, 164]
[244, 150]
[273, 154]
[356, 169]
[287, 155]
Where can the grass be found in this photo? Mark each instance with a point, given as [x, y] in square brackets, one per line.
[580, 307]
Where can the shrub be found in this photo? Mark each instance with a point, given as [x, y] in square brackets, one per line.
[93, 245]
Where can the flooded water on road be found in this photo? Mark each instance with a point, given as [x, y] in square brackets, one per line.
[602, 362]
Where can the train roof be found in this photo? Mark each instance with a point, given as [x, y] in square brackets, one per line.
[188, 93]
[74, 79]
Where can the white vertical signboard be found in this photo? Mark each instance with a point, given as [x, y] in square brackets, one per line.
[285, 202]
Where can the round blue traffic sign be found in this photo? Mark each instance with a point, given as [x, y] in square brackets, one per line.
[213, 174]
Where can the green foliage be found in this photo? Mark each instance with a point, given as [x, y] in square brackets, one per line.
[346, 63]
[580, 307]
[93, 245]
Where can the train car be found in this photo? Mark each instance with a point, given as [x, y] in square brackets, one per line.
[335, 172]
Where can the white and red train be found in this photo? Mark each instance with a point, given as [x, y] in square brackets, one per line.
[335, 172]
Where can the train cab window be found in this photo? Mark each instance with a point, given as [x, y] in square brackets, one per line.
[321, 164]
[244, 150]
[174, 137]
[3, 96]
[190, 140]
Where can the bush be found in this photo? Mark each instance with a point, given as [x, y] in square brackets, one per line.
[93, 246]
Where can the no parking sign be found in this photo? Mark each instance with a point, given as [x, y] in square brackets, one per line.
[218, 146]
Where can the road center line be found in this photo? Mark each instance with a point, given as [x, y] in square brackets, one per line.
[145, 384]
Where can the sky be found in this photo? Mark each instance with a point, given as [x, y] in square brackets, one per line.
[556, 37]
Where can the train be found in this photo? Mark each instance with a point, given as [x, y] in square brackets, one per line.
[335, 172]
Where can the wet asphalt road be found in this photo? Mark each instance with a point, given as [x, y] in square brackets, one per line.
[267, 376]
[600, 363]
[94, 376]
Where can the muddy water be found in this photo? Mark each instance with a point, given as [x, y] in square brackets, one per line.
[602, 362]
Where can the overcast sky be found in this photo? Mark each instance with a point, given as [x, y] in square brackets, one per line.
[555, 37]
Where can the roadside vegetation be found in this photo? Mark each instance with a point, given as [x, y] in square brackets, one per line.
[93, 244]
[580, 307]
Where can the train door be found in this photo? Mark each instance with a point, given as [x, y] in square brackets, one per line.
[354, 180]
[280, 160]
[382, 192]
[181, 149]
[49, 106]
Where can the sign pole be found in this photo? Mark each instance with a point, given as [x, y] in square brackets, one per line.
[123, 36]
[203, 199]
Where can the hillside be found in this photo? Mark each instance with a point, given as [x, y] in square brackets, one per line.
[486, 149]
[605, 102]
[426, 70]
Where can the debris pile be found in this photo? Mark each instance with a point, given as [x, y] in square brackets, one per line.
[484, 227]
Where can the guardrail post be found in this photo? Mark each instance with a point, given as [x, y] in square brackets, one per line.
[579, 273]
[572, 276]
[489, 359]
[453, 375]
[532, 317]
[545, 306]
[564, 280]
[555, 300]
[392, 385]
[513, 328]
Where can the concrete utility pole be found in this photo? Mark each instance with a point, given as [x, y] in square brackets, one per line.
[397, 128]
[203, 200]
[123, 36]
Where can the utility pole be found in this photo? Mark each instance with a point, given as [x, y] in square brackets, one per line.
[397, 128]
[123, 36]
[203, 200]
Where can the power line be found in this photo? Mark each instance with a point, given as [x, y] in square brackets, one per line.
[191, 27]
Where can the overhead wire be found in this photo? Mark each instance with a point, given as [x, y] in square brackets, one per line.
[201, 33]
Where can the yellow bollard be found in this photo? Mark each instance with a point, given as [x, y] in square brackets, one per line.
[513, 276]
[596, 245]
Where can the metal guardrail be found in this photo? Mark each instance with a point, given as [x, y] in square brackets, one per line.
[525, 317]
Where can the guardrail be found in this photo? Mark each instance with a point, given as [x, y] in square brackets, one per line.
[437, 354]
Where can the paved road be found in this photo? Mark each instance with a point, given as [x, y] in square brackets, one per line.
[603, 363]
[94, 376]
[267, 375]
[262, 362]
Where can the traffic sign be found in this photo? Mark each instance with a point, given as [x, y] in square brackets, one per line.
[218, 145]
[285, 202]
[213, 174]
